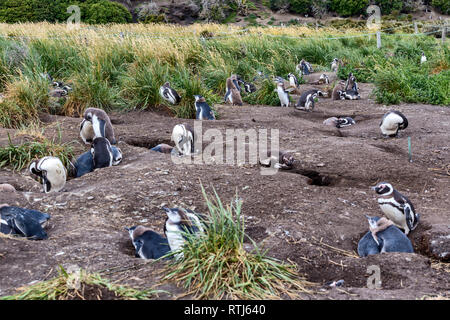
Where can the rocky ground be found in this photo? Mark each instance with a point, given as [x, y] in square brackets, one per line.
[315, 224]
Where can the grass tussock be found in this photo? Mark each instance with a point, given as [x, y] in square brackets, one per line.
[217, 266]
[124, 73]
[79, 285]
[19, 156]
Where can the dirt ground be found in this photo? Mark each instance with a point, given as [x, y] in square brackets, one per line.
[315, 226]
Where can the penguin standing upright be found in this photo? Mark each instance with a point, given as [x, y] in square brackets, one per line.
[169, 94]
[147, 243]
[306, 100]
[101, 124]
[397, 207]
[233, 95]
[335, 65]
[184, 138]
[24, 222]
[283, 95]
[392, 122]
[49, 171]
[423, 58]
[181, 221]
[293, 80]
[388, 238]
[203, 109]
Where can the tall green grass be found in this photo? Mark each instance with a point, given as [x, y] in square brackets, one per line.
[216, 265]
[115, 73]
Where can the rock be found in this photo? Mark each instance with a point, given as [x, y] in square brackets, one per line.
[438, 241]
[5, 187]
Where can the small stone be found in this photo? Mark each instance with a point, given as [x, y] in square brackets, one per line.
[321, 164]
[90, 198]
[5, 187]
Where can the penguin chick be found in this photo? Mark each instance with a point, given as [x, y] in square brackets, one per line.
[233, 95]
[396, 207]
[169, 94]
[377, 226]
[49, 171]
[203, 109]
[306, 100]
[147, 243]
[178, 223]
[102, 153]
[334, 65]
[390, 239]
[392, 122]
[283, 95]
[184, 138]
[101, 123]
[340, 86]
[24, 222]
[351, 84]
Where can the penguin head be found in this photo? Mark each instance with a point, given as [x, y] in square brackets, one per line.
[136, 231]
[102, 152]
[40, 171]
[199, 98]
[383, 188]
[167, 84]
[287, 158]
[177, 216]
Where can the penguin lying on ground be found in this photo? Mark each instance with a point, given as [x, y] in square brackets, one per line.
[203, 109]
[392, 122]
[169, 94]
[306, 100]
[181, 221]
[164, 148]
[339, 122]
[184, 138]
[284, 161]
[24, 222]
[50, 172]
[148, 244]
[389, 239]
[101, 125]
[397, 207]
[85, 162]
[349, 95]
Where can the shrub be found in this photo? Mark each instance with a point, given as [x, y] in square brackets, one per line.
[388, 6]
[348, 7]
[300, 6]
[107, 12]
[442, 5]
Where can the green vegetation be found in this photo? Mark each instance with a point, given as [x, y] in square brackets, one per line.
[20, 156]
[216, 265]
[441, 5]
[80, 285]
[347, 8]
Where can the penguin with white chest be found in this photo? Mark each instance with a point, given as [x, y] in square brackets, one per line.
[178, 223]
[283, 95]
[203, 110]
[397, 207]
[184, 138]
[392, 122]
[147, 243]
[388, 238]
[340, 122]
[101, 125]
[423, 58]
[23, 222]
[50, 172]
[169, 94]
[293, 80]
[307, 99]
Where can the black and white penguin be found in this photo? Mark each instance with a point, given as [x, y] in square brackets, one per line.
[283, 95]
[24, 222]
[388, 238]
[235, 78]
[101, 124]
[50, 172]
[184, 138]
[335, 65]
[102, 153]
[148, 244]
[284, 161]
[349, 95]
[164, 148]
[339, 122]
[169, 94]
[304, 68]
[181, 221]
[203, 109]
[293, 80]
[306, 100]
[397, 207]
[392, 122]
[248, 87]
[423, 58]
[351, 84]
[85, 162]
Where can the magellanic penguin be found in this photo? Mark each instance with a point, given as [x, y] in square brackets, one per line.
[233, 95]
[293, 80]
[304, 68]
[285, 161]
[423, 58]
[339, 122]
[102, 153]
[389, 239]
[248, 87]
[85, 162]
[283, 95]
[203, 109]
[49, 171]
[148, 244]
[397, 207]
[349, 95]
[306, 100]
[179, 222]
[184, 138]
[392, 122]
[340, 86]
[335, 65]
[169, 94]
[101, 124]
[23, 222]
[351, 84]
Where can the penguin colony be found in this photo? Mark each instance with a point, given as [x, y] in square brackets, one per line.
[386, 234]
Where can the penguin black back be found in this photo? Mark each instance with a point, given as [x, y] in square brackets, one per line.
[102, 152]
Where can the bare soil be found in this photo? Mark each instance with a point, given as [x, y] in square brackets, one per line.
[298, 219]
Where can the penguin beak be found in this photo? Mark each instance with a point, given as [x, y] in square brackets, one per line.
[128, 229]
[166, 209]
